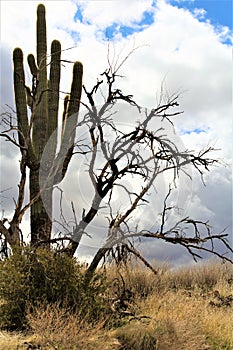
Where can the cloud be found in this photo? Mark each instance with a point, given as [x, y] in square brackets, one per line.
[199, 13]
[104, 13]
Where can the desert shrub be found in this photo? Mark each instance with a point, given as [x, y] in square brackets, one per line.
[38, 276]
[58, 328]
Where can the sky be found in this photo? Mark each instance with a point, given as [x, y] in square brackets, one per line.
[184, 46]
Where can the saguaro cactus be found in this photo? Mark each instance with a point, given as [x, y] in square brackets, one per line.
[35, 130]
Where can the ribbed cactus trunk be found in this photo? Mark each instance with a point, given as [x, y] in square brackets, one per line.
[34, 133]
[41, 220]
[41, 212]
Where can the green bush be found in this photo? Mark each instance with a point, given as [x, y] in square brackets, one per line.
[34, 277]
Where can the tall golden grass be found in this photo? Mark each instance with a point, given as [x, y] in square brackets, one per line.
[183, 309]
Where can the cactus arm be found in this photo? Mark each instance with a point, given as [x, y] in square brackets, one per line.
[64, 115]
[76, 89]
[54, 84]
[69, 123]
[21, 92]
[32, 65]
[34, 71]
[20, 96]
[73, 104]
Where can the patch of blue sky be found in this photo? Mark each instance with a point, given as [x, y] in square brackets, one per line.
[217, 12]
[79, 16]
[147, 19]
[193, 131]
[115, 29]
[125, 31]
[75, 36]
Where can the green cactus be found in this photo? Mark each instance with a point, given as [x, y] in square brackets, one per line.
[34, 132]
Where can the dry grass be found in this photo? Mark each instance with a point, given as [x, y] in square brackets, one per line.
[186, 310]
[57, 328]
[54, 328]
[188, 307]
[195, 322]
[10, 341]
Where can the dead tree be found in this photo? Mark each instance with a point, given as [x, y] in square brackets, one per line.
[124, 155]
